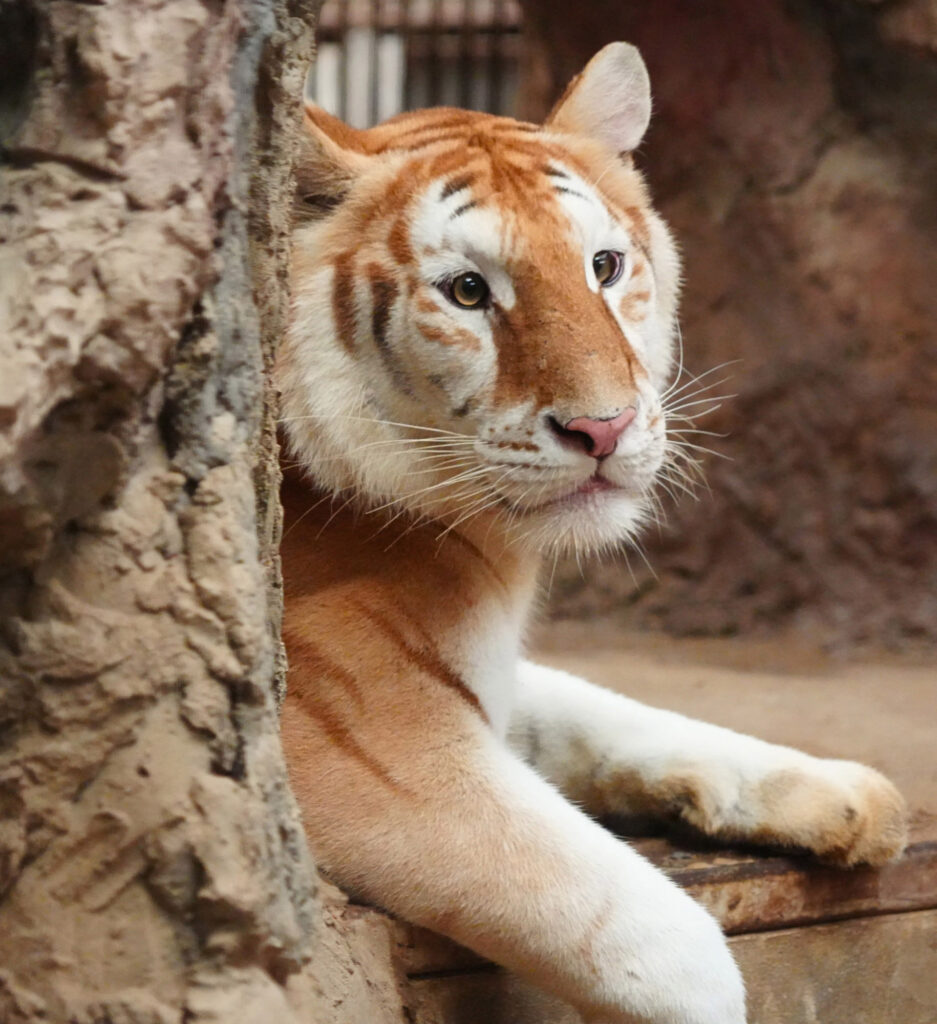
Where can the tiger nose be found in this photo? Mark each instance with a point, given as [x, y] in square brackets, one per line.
[597, 437]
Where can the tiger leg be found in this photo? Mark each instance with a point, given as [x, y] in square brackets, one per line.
[614, 755]
[459, 835]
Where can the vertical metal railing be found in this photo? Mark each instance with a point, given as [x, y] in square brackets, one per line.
[380, 57]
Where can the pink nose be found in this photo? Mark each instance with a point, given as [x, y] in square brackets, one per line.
[600, 436]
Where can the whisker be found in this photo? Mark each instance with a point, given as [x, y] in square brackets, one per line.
[692, 419]
[556, 558]
[412, 426]
[684, 464]
[440, 444]
[640, 550]
[473, 510]
[379, 422]
[663, 482]
[678, 483]
[336, 512]
[474, 497]
[703, 448]
[448, 482]
[300, 518]
[688, 404]
[426, 448]
[389, 522]
[673, 390]
[696, 430]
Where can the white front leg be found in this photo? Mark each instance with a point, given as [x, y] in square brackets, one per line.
[460, 836]
[614, 755]
[603, 927]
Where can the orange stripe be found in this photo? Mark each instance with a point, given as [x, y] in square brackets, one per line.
[426, 658]
[309, 656]
[342, 737]
[432, 140]
[330, 721]
[343, 308]
[479, 554]
[450, 336]
[398, 241]
[383, 296]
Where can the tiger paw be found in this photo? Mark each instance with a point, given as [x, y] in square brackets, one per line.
[844, 812]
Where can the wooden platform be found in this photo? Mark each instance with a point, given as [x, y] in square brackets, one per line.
[816, 945]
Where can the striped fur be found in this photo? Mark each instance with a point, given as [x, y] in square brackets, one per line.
[444, 191]
[419, 742]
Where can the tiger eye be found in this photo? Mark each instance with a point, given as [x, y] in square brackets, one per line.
[469, 290]
[607, 266]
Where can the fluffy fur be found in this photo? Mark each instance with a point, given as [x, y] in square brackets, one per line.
[437, 770]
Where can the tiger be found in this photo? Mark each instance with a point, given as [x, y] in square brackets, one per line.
[475, 377]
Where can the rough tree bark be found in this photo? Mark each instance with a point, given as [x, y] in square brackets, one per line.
[793, 151]
[152, 868]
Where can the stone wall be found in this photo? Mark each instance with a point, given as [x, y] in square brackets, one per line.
[152, 867]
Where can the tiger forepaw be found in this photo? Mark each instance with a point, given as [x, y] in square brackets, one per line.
[843, 812]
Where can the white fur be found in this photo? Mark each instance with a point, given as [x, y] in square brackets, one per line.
[582, 726]
[576, 732]
[654, 953]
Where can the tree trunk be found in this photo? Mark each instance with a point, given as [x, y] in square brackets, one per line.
[794, 151]
[152, 868]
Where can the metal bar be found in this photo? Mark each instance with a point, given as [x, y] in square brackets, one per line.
[487, 61]
[436, 51]
[433, 63]
[407, 54]
[341, 30]
[497, 58]
[374, 71]
[466, 49]
[358, 15]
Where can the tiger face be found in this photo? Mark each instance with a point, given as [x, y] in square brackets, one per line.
[484, 314]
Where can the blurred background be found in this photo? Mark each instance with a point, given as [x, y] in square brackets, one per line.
[793, 152]
[376, 58]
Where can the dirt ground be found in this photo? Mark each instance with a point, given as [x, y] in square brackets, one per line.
[879, 708]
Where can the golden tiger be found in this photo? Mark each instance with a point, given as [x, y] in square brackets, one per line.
[476, 373]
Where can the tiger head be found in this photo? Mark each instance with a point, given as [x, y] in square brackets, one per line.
[484, 314]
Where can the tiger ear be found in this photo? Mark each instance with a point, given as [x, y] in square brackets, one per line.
[609, 100]
[329, 160]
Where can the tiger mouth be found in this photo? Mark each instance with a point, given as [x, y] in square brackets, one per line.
[579, 495]
[595, 484]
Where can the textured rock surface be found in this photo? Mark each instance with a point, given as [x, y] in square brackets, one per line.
[151, 863]
[794, 154]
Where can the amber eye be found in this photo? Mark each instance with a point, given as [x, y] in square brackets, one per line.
[607, 266]
[469, 290]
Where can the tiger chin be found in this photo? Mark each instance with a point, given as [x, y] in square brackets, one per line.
[476, 373]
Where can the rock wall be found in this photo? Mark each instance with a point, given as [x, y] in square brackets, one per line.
[793, 151]
[152, 868]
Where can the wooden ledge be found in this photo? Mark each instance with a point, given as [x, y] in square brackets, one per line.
[752, 893]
